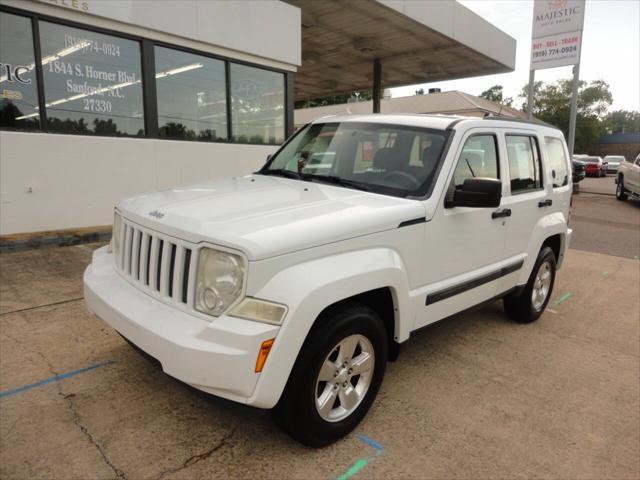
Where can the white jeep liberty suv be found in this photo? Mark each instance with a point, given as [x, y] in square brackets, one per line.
[292, 287]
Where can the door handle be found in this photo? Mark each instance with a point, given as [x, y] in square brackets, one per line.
[506, 212]
[545, 203]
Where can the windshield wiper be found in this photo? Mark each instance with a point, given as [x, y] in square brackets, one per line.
[335, 180]
[281, 172]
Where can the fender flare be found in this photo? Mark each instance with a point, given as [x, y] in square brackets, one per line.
[308, 288]
[553, 224]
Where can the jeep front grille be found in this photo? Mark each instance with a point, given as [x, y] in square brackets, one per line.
[157, 263]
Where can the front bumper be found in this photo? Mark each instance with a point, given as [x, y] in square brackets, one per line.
[217, 356]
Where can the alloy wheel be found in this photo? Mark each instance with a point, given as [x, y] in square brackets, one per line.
[344, 378]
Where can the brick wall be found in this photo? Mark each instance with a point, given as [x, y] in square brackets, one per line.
[629, 150]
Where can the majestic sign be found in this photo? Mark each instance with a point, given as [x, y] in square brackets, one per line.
[556, 33]
[557, 16]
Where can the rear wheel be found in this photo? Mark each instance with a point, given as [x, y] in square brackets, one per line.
[621, 193]
[336, 377]
[529, 304]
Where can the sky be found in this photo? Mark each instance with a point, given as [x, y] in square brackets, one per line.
[610, 50]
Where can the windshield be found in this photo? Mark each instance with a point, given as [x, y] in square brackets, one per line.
[590, 159]
[390, 159]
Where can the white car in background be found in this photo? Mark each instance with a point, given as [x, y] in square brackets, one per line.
[613, 162]
[628, 179]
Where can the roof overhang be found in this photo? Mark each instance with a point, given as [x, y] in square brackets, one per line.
[416, 42]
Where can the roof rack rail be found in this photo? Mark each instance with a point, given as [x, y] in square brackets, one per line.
[502, 118]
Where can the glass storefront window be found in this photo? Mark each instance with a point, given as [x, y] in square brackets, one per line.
[257, 105]
[92, 82]
[18, 83]
[191, 92]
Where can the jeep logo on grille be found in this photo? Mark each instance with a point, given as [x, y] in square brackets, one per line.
[156, 213]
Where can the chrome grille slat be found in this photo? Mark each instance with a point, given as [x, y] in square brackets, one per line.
[135, 255]
[144, 258]
[127, 250]
[164, 269]
[156, 263]
[178, 272]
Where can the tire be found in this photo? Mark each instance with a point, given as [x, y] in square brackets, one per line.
[522, 308]
[621, 193]
[298, 412]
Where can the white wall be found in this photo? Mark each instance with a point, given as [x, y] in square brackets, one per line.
[76, 180]
[266, 32]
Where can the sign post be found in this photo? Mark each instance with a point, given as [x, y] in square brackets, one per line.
[556, 41]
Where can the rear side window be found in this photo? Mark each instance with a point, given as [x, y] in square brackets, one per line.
[557, 161]
[524, 163]
[479, 158]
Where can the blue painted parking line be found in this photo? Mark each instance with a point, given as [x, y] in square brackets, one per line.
[372, 443]
[57, 378]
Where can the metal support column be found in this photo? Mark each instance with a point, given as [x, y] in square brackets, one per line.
[290, 105]
[377, 85]
[574, 107]
[532, 77]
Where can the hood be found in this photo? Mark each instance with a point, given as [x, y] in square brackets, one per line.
[265, 216]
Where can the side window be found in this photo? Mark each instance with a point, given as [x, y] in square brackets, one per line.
[524, 163]
[479, 158]
[557, 161]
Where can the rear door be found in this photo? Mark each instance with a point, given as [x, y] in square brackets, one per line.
[464, 247]
[528, 197]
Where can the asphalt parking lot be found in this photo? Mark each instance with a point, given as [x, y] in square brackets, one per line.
[475, 396]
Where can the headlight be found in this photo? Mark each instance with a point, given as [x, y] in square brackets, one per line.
[219, 281]
[115, 236]
[259, 310]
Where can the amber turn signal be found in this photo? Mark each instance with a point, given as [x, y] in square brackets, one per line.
[265, 348]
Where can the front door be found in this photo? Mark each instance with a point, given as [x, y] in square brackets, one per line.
[464, 247]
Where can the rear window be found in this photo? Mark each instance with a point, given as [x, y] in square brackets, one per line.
[557, 161]
[524, 163]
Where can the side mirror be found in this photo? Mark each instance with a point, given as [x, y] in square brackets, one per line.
[477, 193]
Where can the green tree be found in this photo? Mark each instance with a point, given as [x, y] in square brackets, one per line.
[496, 94]
[552, 104]
[622, 121]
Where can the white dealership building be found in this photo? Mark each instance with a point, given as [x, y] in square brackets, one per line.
[101, 100]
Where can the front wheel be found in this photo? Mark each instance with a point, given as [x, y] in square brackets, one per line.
[531, 302]
[336, 377]
[621, 193]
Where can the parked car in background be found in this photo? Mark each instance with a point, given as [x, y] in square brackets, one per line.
[613, 162]
[594, 166]
[628, 179]
[577, 174]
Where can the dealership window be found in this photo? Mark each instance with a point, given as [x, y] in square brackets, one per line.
[191, 92]
[92, 82]
[257, 105]
[18, 83]
[524, 163]
[557, 161]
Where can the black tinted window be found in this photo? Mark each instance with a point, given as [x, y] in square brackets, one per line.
[479, 158]
[524, 163]
[557, 161]
[192, 103]
[92, 82]
[18, 85]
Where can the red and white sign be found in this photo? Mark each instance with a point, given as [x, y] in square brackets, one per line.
[556, 50]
